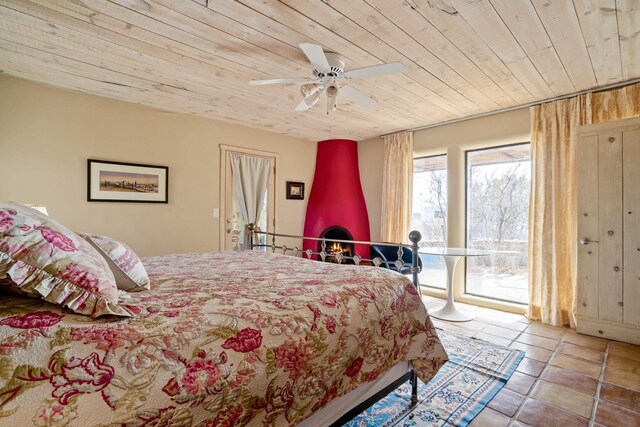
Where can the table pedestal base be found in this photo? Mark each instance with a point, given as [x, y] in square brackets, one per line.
[451, 257]
[450, 312]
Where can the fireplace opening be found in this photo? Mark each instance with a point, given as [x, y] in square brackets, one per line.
[331, 234]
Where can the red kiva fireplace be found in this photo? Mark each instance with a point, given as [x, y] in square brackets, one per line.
[336, 208]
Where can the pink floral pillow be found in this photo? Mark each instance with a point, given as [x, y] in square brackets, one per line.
[125, 265]
[42, 258]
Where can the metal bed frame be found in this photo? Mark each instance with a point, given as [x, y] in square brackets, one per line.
[253, 232]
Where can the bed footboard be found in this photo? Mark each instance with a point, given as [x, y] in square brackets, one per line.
[399, 264]
[323, 254]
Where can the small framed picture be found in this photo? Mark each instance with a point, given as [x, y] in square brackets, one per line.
[295, 190]
[126, 182]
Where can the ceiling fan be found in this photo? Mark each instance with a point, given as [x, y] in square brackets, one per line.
[329, 76]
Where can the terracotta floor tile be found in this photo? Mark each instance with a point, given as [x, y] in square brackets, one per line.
[530, 367]
[498, 331]
[516, 326]
[506, 402]
[540, 414]
[562, 397]
[611, 414]
[578, 365]
[555, 384]
[493, 339]
[623, 363]
[525, 320]
[623, 378]
[547, 343]
[489, 418]
[589, 354]
[595, 343]
[532, 352]
[620, 395]
[474, 325]
[483, 318]
[520, 383]
[629, 351]
[547, 331]
[570, 379]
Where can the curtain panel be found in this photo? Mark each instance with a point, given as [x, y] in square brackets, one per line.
[397, 187]
[250, 182]
[552, 210]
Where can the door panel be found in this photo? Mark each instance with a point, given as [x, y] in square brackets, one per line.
[631, 215]
[610, 226]
[587, 174]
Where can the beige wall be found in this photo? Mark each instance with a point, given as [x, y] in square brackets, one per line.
[453, 139]
[47, 134]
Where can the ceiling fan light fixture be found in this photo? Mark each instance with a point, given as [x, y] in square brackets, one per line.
[312, 99]
[332, 90]
[310, 89]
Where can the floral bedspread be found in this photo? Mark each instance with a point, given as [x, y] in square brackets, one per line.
[221, 339]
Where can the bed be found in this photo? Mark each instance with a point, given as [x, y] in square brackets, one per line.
[243, 338]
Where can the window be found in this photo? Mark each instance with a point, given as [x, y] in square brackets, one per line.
[498, 187]
[429, 214]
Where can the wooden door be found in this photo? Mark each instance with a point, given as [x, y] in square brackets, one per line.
[588, 210]
[608, 209]
[600, 268]
[631, 223]
[610, 226]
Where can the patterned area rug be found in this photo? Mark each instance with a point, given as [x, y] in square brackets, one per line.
[476, 371]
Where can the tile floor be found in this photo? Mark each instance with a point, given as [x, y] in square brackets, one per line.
[565, 379]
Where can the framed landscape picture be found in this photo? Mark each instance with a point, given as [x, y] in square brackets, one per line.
[127, 182]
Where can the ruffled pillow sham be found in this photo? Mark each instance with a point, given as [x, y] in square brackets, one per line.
[128, 270]
[42, 258]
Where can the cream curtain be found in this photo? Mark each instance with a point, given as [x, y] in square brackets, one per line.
[397, 187]
[250, 182]
[552, 209]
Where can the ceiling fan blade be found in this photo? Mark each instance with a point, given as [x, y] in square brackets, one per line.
[308, 102]
[316, 56]
[376, 70]
[357, 96]
[302, 106]
[280, 81]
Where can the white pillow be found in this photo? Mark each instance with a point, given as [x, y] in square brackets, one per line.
[128, 270]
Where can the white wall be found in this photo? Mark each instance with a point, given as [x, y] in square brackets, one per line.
[47, 134]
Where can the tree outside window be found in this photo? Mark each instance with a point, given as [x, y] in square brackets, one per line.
[498, 188]
[429, 214]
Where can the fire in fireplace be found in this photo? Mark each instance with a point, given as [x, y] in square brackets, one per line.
[332, 247]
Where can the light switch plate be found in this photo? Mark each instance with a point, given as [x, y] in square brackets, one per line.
[216, 212]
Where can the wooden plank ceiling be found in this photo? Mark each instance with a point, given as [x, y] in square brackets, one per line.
[462, 57]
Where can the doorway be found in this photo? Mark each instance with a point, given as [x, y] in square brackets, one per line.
[248, 163]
